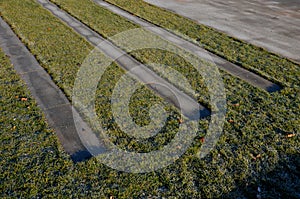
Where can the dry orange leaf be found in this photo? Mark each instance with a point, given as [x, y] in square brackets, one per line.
[256, 157]
[24, 99]
[253, 157]
[291, 135]
[202, 139]
[180, 120]
[230, 121]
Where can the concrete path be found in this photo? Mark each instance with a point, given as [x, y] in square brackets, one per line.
[57, 108]
[50, 98]
[129, 63]
[189, 106]
[271, 24]
[223, 64]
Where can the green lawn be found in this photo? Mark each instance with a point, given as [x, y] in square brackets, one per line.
[256, 59]
[254, 150]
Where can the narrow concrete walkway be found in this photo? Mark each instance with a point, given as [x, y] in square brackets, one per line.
[271, 24]
[223, 64]
[189, 106]
[50, 98]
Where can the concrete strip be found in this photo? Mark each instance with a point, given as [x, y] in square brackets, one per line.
[271, 24]
[50, 98]
[223, 64]
[189, 106]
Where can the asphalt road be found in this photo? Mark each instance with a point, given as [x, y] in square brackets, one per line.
[274, 25]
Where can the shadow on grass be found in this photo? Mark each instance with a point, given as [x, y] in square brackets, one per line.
[282, 182]
[80, 156]
[274, 88]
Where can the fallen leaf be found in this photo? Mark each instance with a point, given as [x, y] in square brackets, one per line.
[230, 121]
[236, 105]
[180, 120]
[202, 139]
[24, 99]
[291, 135]
[255, 157]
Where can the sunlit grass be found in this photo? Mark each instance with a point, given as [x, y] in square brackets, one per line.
[254, 150]
[272, 66]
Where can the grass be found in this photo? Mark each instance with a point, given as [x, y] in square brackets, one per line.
[254, 150]
[91, 14]
[272, 66]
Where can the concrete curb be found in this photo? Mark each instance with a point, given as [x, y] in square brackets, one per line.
[223, 64]
[188, 105]
[50, 98]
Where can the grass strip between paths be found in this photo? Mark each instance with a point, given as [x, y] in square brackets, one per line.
[256, 59]
[254, 150]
